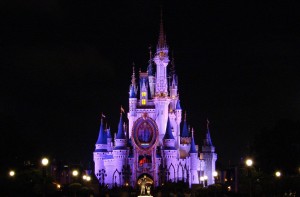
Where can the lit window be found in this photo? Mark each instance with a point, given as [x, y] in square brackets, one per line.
[143, 93]
[143, 101]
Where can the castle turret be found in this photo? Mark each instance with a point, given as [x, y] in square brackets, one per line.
[209, 156]
[120, 151]
[194, 161]
[170, 152]
[101, 149]
[132, 101]
[161, 99]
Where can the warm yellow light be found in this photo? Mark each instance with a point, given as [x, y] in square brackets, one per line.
[12, 173]
[88, 178]
[143, 93]
[249, 162]
[201, 178]
[229, 188]
[45, 161]
[205, 177]
[143, 101]
[75, 173]
[215, 173]
[58, 186]
[84, 177]
[278, 174]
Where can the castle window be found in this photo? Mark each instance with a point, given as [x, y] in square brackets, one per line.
[143, 93]
[143, 101]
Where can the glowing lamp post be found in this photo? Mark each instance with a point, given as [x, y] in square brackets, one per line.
[249, 163]
[215, 175]
[202, 180]
[44, 162]
[205, 180]
[278, 174]
[75, 173]
[12, 173]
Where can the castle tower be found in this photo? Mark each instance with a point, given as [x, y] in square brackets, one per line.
[194, 162]
[132, 101]
[120, 153]
[170, 152]
[101, 150]
[161, 99]
[209, 157]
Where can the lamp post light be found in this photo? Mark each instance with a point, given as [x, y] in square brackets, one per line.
[11, 173]
[249, 163]
[202, 181]
[44, 162]
[205, 180]
[215, 175]
[278, 174]
[75, 174]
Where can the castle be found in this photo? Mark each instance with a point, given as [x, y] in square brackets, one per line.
[153, 145]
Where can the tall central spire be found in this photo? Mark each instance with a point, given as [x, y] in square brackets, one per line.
[162, 44]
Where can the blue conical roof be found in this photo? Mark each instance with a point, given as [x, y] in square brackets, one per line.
[185, 131]
[132, 92]
[120, 134]
[193, 146]
[169, 134]
[102, 138]
[207, 140]
[178, 107]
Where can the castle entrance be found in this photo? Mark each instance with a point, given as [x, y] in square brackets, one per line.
[145, 183]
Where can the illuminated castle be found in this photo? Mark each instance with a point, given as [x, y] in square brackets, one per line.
[153, 143]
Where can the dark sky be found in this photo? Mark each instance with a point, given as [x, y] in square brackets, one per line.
[65, 62]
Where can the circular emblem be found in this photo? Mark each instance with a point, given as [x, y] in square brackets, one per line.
[144, 133]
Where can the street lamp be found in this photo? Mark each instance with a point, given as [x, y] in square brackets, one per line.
[278, 174]
[205, 180]
[215, 175]
[44, 162]
[12, 173]
[75, 173]
[202, 180]
[249, 163]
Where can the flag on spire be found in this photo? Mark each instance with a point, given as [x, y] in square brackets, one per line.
[122, 110]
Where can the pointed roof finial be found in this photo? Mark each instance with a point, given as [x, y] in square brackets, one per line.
[207, 124]
[133, 75]
[192, 132]
[150, 53]
[150, 69]
[172, 68]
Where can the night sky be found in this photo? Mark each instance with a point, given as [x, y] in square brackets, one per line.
[63, 63]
